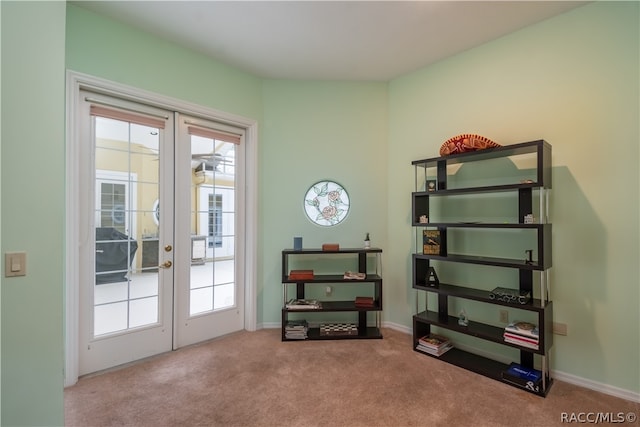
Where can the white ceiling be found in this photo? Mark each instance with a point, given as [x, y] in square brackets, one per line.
[330, 40]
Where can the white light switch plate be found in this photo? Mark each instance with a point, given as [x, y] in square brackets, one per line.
[15, 264]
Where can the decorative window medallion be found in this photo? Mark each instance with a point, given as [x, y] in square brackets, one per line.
[326, 203]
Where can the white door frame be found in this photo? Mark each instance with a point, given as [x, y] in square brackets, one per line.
[74, 235]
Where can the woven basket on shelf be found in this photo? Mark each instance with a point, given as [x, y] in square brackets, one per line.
[466, 142]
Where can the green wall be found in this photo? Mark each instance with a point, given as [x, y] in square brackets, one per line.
[33, 155]
[573, 81]
[314, 131]
[105, 48]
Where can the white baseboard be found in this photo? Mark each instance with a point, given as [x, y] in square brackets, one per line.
[397, 327]
[269, 325]
[597, 386]
[557, 375]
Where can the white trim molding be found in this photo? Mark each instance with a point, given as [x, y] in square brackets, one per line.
[556, 375]
[77, 81]
[596, 386]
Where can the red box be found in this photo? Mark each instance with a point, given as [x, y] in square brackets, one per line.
[301, 275]
[330, 247]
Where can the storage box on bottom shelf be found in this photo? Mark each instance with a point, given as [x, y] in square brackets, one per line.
[338, 329]
[527, 378]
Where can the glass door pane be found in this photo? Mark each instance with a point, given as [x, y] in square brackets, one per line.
[126, 289]
[212, 276]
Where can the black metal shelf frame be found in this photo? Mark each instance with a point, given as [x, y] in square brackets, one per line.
[422, 263]
[374, 278]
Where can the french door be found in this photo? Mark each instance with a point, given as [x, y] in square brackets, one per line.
[158, 268]
[210, 175]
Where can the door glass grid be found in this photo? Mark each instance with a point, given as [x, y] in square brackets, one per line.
[126, 290]
[215, 221]
[212, 278]
[112, 205]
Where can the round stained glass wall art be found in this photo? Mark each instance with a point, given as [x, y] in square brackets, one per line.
[326, 203]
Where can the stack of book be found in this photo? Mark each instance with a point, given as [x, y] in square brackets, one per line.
[521, 376]
[303, 304]
[296, 330]
[366, 302]
[433, 344]
[524, 334]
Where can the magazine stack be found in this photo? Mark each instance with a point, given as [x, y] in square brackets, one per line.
[296, 330]
[433, 344]
[303, 304]
[524, 334]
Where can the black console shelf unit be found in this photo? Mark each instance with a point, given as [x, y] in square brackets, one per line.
[372, 278]
[437, 172]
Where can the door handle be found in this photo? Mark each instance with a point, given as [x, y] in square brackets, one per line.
[166, 264]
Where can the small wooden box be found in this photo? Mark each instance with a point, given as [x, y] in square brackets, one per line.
[330, 247]
[301, 275]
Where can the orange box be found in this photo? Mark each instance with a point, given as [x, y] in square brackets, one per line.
[330, 247]
[301, 275]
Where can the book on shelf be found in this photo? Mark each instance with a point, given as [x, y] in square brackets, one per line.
[520, 338]
[303, 304]
[301, 275]
[434, 344]
[296, 335]
[354, 275]
[525, 329]
[524, 334]
[296, 324]
[529, 374]
[431, 242]
[433, 341]
[296, 329]
[433, 352]
[528, 378]
[522, 343]
[365, 302]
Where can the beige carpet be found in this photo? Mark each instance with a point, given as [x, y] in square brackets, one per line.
[254, 379]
